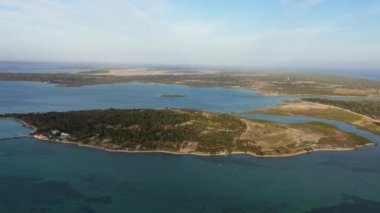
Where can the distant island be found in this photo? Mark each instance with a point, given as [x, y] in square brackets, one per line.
[269, 84]
[187, 131]
[172, 95]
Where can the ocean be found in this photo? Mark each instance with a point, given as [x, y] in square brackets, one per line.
[48, 177]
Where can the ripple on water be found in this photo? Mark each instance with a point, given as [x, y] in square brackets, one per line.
[350, 204]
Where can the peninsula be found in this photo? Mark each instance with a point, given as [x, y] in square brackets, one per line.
[362, 114]
[186, 131]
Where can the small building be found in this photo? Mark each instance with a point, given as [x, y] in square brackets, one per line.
[64, 135]
[54, 132]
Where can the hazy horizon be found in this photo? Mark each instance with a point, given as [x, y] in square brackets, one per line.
[276, 34]
[48, 67]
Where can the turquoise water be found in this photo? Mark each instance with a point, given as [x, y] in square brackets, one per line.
[46, 177]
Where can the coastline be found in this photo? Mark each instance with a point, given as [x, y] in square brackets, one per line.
[262, 92]
[201, 153]
[79, 144]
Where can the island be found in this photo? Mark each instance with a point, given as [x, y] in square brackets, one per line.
[268, 83]
[362, 114]
[186, 131]
[172, 95]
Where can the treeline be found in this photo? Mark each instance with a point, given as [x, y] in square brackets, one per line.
[142, 129]
[369, 108]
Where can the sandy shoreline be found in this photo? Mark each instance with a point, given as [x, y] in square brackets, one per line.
[200, 153]
[40, 138]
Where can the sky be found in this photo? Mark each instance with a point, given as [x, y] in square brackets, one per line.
[246, 33]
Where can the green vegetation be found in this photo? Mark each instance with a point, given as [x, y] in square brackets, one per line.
[273, 111]
[320, 126]
[369, 108]
[330, 114]
[339, 115]
[186, 131]
[141, 129]
[172, 95]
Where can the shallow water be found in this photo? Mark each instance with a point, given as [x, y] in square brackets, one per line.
[46, 177]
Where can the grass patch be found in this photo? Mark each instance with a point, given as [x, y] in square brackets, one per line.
[273, 111]
[323, 127]
[259, 121]
[332, 114]
[359, 139]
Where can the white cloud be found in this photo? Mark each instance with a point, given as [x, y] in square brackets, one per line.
[307, 2]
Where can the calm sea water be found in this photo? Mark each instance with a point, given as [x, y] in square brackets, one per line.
[46, 177]
[39, 97]
[38, 67]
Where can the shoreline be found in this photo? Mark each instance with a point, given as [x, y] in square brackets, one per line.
[78, 144]
[261, 92]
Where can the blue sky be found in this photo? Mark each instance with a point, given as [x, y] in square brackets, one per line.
[253, 33]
